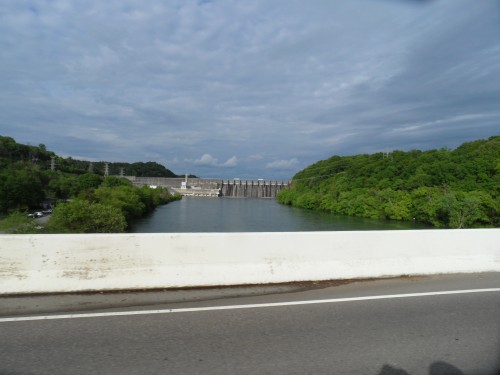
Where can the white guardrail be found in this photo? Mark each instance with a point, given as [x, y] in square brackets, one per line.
[91, 262]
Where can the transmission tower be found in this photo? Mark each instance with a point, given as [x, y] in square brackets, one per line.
[106, 169]
[52, 163]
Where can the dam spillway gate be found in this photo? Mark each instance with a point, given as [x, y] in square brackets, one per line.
[251, 189]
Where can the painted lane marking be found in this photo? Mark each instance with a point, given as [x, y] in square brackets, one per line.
[249, 306]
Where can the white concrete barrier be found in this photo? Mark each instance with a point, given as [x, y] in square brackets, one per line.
[68, 263]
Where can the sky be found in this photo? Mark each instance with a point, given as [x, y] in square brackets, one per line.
[247, 88]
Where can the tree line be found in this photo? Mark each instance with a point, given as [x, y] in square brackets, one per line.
[109, 206]
[11, 152]
[87, 202]
[445, 188]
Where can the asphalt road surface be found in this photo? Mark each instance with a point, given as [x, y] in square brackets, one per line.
[430, 325]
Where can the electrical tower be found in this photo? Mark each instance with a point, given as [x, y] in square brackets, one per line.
[121, 172]
[106, 169]
[52, 163]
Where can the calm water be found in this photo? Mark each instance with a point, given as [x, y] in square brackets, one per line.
[251, 215]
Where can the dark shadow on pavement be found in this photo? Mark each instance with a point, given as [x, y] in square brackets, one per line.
[389, 370]
[437, 368]
[443, 368]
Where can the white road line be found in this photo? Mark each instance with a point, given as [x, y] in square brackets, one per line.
[249, 306]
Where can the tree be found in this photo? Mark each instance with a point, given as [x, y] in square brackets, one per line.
[446, 188]
[467, 209]
[113, 181]
[124, 198]
[89, 181]
[80, 216]
[20, 187]
[396, 204]
[62, 186]
[19, 222]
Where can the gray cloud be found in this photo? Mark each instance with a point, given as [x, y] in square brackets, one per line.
[269, 87]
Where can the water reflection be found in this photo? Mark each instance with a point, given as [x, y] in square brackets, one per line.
[251, 215]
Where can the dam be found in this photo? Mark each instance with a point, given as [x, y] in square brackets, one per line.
[215, 187]
[251, 189]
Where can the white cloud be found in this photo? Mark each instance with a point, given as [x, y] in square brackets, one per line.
[206, 160]
[231, 162]
[283, 164]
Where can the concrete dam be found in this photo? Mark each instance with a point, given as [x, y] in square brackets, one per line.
[215, 187]
[251, 189]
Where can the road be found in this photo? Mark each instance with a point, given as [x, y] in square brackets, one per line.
[426, 325]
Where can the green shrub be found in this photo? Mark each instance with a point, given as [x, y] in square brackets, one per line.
[80, 216]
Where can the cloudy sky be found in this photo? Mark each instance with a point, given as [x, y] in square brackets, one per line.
[247, 88]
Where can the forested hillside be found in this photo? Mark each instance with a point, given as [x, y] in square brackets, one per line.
[97, 204]
[446, 188]
[11, 152]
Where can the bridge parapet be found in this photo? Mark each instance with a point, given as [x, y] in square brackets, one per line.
[62, 263]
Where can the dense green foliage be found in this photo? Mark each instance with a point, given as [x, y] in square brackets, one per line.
[108, 208]
[21, 186]
[446, 188]
[80, 216]
[96, 204]
[18, 222]
[11, 151]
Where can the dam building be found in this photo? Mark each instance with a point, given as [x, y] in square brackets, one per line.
[206, 187]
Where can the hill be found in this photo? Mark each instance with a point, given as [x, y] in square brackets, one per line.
[11, 152]
[26, 178]
[446, 188]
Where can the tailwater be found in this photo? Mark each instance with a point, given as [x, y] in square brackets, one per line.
[251, 215]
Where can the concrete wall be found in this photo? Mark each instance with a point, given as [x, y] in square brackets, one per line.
[251, 189]
[64, 263]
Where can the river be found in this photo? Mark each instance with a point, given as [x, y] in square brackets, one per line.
[251, 215]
